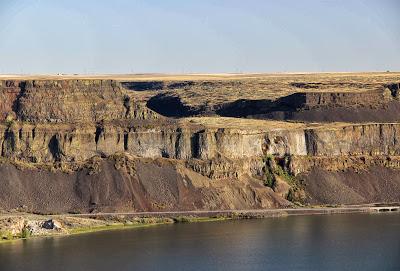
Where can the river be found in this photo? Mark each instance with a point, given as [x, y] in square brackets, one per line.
[319, 242]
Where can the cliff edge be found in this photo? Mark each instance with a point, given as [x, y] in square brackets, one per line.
[158, 143]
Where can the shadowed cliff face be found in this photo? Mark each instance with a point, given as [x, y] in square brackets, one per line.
[53, 129]
[375, 106]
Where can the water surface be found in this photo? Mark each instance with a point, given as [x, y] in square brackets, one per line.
[330, 242]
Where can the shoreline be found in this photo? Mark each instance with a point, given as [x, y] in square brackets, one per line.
[73, 224]
[254, 213]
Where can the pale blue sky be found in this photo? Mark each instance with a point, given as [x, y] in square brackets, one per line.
[76, 36]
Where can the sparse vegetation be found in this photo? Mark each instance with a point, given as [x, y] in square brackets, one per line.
[6, 235]
[181, 219]
[268, 178]
[273, 169]
[25, 233]
[290, 179]
[9, 123]
[78, 225]
[115, 226]
[189, 219]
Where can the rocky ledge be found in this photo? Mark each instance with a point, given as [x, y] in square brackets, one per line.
[89, 145]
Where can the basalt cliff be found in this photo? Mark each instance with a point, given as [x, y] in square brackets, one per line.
[159, 143]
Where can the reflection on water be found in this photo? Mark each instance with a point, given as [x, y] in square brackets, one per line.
[334, 242]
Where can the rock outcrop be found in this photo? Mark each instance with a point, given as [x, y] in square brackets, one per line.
[69, 101]
[301, 101]
[48, 143]
[95, 145]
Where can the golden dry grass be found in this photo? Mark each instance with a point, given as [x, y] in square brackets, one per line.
[211, 89]
[270, 86]
[258, 125]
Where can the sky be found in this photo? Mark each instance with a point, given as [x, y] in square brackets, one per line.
[204, 36]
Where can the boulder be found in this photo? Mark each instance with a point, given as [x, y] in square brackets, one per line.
[52, 224]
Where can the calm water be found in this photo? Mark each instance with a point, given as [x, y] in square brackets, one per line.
[335, 242]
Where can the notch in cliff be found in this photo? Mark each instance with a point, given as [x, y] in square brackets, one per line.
[99, 132]
[55, 148]
[394, 89]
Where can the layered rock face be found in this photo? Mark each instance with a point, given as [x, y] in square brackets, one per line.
[9, 91]
[52, 143]
[69, 101]
[77, 132]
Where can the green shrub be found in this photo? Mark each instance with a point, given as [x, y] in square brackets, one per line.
[25, 233]
[272, 169]
[285, 175]
[181, 219]
[269, 179]
[6, 235]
